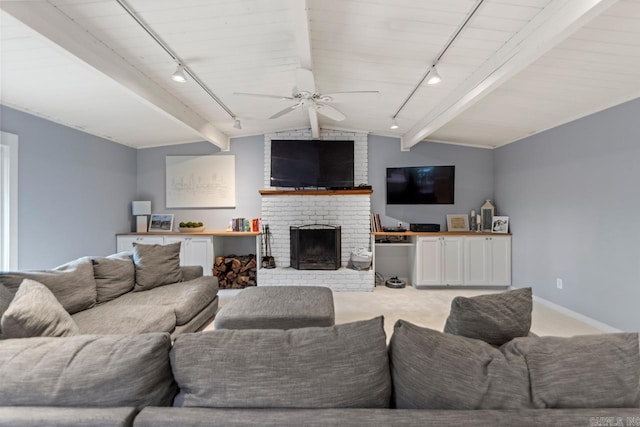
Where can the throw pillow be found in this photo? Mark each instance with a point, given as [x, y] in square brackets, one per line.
[494, 318]
[156, 265]
[72, 283]
[115, 275]
[343, 366]
[86, 371]
[35, 312]
[434, 370]
[589, 371]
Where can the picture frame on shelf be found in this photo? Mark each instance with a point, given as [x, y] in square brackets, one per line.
[500, 224]
[457, 223]
[161, 222]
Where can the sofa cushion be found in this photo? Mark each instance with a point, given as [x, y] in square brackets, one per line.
[87, 370]
[51, 416]
[434, 370]
[185, 298]
[35, 312]
[72, 283]
[156, 265]
[114, 275]
[590, 371]
[6, 296]
[190, 272]
[334, 367]
[112, 318]
[350, 417]
[494, 318]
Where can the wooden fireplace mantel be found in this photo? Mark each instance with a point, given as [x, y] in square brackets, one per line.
[352, 192]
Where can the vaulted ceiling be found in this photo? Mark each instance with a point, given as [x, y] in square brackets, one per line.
[510, 68]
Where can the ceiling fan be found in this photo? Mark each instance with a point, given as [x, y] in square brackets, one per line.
[305, 96]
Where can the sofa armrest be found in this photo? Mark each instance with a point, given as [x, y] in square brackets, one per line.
[190, 272]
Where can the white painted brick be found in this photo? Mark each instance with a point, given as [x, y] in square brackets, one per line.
[351, 212]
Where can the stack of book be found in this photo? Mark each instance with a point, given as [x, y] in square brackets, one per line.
[376, 225]
[243, 224]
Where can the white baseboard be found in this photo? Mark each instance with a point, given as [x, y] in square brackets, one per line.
[581, 317]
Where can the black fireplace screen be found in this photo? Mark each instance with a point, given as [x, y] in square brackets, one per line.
[315, 247]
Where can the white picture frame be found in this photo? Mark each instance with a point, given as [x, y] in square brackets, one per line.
[500, 224]
[457, 223]
[161, 222]
[201, 181]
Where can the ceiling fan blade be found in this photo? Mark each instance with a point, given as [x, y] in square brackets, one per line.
[262, 95]
[305, 80]
[329, 111]
[285, 111]
[351, 96]
[313, 119]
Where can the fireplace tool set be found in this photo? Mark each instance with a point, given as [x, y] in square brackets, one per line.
[267, 260]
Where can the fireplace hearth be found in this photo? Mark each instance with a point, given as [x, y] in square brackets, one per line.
[316, 247]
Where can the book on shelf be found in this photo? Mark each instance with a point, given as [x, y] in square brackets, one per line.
[376, 225]
[240, 224]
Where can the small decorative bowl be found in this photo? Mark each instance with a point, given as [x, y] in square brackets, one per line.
[190, 229]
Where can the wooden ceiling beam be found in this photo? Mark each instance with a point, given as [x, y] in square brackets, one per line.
[303, 46]
[552, 25]
[65, 34]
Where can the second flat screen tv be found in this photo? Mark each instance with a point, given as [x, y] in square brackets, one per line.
[422, 185]
[317, 164]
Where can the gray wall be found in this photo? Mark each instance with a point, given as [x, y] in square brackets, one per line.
[474, 179]
[572, 196]
[74, 191]
[249, 152]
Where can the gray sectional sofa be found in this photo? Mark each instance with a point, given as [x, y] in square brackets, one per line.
[343, 375]
[126, 293]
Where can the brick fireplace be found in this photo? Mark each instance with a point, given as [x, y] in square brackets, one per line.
[348, 211]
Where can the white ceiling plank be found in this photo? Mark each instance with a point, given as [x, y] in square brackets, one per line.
[66, 34]
[551, 26]
[303, 40]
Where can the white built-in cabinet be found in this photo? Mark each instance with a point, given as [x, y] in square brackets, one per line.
[194, 250]
[125, 243]
[438, 261]
[488, 261]
[443, 259]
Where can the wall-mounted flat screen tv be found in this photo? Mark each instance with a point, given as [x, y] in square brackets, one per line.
[422, 185]
[315, 164]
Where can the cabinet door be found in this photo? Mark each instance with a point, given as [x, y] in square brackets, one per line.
[125, 243]
[199, 251]
[428, 261]
[194, 250]
[452, 257]
[500, 261]
[477, 265]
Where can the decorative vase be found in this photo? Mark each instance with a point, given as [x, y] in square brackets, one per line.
[487, 211]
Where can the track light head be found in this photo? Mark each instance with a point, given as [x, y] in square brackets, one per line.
[394, 124]
[237, 124]
[434, 77]
[178, 75]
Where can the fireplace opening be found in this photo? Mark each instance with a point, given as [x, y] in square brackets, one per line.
[315, 247]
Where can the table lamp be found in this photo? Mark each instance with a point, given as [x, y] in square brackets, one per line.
[141, 210]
